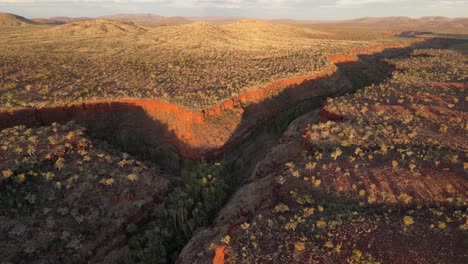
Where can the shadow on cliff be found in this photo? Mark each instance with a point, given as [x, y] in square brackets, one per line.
[130, 128]
[349, 77]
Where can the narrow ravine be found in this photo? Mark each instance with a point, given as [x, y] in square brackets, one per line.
[368, 70]
[181, 207]
[210, 152]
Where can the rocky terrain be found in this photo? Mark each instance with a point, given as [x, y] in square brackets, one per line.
[380, 178]
[168, 147]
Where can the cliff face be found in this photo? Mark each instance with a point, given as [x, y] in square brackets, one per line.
[194, 134]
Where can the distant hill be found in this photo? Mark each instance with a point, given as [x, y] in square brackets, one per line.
[254, 29]
[7, 19]
[98, 26]
[48, 21]
[400, 19]
[244, 34]
[143, 19]
[220, 20]
[437, 24]
[148, 19]
[60, 20]
[157, 20]
[69, 19]
[435, 21]
[434, 24]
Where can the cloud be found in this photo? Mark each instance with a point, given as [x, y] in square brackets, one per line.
[412, 3]
[366, 2]
[449, 4]
[363, 3]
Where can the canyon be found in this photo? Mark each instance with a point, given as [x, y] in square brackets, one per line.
[224, 131]
[207, 133]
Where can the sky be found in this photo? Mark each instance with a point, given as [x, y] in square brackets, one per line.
[270, 9]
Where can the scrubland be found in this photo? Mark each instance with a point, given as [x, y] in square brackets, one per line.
[63, 197]
[373, 176]
[382, 179]
[195, 65]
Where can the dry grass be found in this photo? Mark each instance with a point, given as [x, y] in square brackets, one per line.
[196, 64]
[95, 27]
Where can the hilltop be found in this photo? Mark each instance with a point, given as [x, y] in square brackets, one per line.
[7, 19]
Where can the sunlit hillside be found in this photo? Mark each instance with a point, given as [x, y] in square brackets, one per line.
[195, 65]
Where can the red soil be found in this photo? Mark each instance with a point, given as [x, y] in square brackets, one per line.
[340, 58]
[219, 255]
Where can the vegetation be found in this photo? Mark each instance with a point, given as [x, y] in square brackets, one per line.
[194, 204]
[384, 180]
[62, 195]
[386, 167]
[195, 65]
[177, 216]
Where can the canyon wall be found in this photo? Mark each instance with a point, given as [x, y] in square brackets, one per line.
[195, 134]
